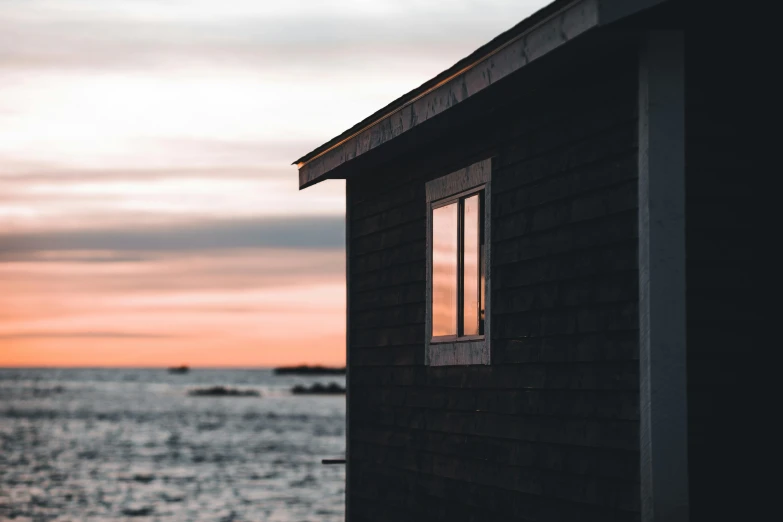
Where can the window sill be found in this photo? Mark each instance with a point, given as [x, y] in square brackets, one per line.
[458, 352]
[454, 339]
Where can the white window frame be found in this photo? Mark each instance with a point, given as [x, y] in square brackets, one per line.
[470, 349]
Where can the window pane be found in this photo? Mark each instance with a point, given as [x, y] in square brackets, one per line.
[482, 286]
[444, 270]
[470, 264]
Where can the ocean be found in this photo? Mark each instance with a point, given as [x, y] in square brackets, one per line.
[130, 444]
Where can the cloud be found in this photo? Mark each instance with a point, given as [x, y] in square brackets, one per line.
[168, 282]
[81, 335]
[296, 232]
[311, 34]
[24, 176]
[77, 256]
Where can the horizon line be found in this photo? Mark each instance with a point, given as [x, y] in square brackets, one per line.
[196, 367]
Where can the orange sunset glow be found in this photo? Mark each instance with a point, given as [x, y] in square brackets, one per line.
[149, 214]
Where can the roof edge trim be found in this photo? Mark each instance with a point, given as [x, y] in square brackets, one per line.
[534, 41]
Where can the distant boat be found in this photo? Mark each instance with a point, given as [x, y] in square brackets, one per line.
[308, 370]
[179, 369]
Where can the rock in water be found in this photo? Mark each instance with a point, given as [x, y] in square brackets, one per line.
[222, 391]
[308, 370]
[318, 389]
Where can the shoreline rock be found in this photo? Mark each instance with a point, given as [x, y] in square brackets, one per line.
[222, 391]
[308, 370]
[318, 389]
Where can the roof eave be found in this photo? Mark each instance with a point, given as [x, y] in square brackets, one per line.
[532, 43]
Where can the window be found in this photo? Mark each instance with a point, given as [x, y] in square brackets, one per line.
[458, 267]
[457, 251]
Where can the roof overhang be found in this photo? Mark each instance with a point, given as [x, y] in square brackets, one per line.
[550, 28]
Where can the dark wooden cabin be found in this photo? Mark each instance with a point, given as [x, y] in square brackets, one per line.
[568, 353]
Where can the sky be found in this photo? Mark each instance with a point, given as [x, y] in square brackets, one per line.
[149, 214]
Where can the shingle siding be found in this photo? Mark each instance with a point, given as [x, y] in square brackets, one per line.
[549, 431]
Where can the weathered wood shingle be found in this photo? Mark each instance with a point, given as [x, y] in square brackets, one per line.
[549, 431]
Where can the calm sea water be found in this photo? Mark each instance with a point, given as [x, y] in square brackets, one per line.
[110, 444]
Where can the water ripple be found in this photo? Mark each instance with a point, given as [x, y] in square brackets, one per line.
[94, 445]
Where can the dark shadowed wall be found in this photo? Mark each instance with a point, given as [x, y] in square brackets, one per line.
[726, 448]
[550, 430]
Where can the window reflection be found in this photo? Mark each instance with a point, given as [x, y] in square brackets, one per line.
[470, 266]
[444, 270]
[482, 286]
